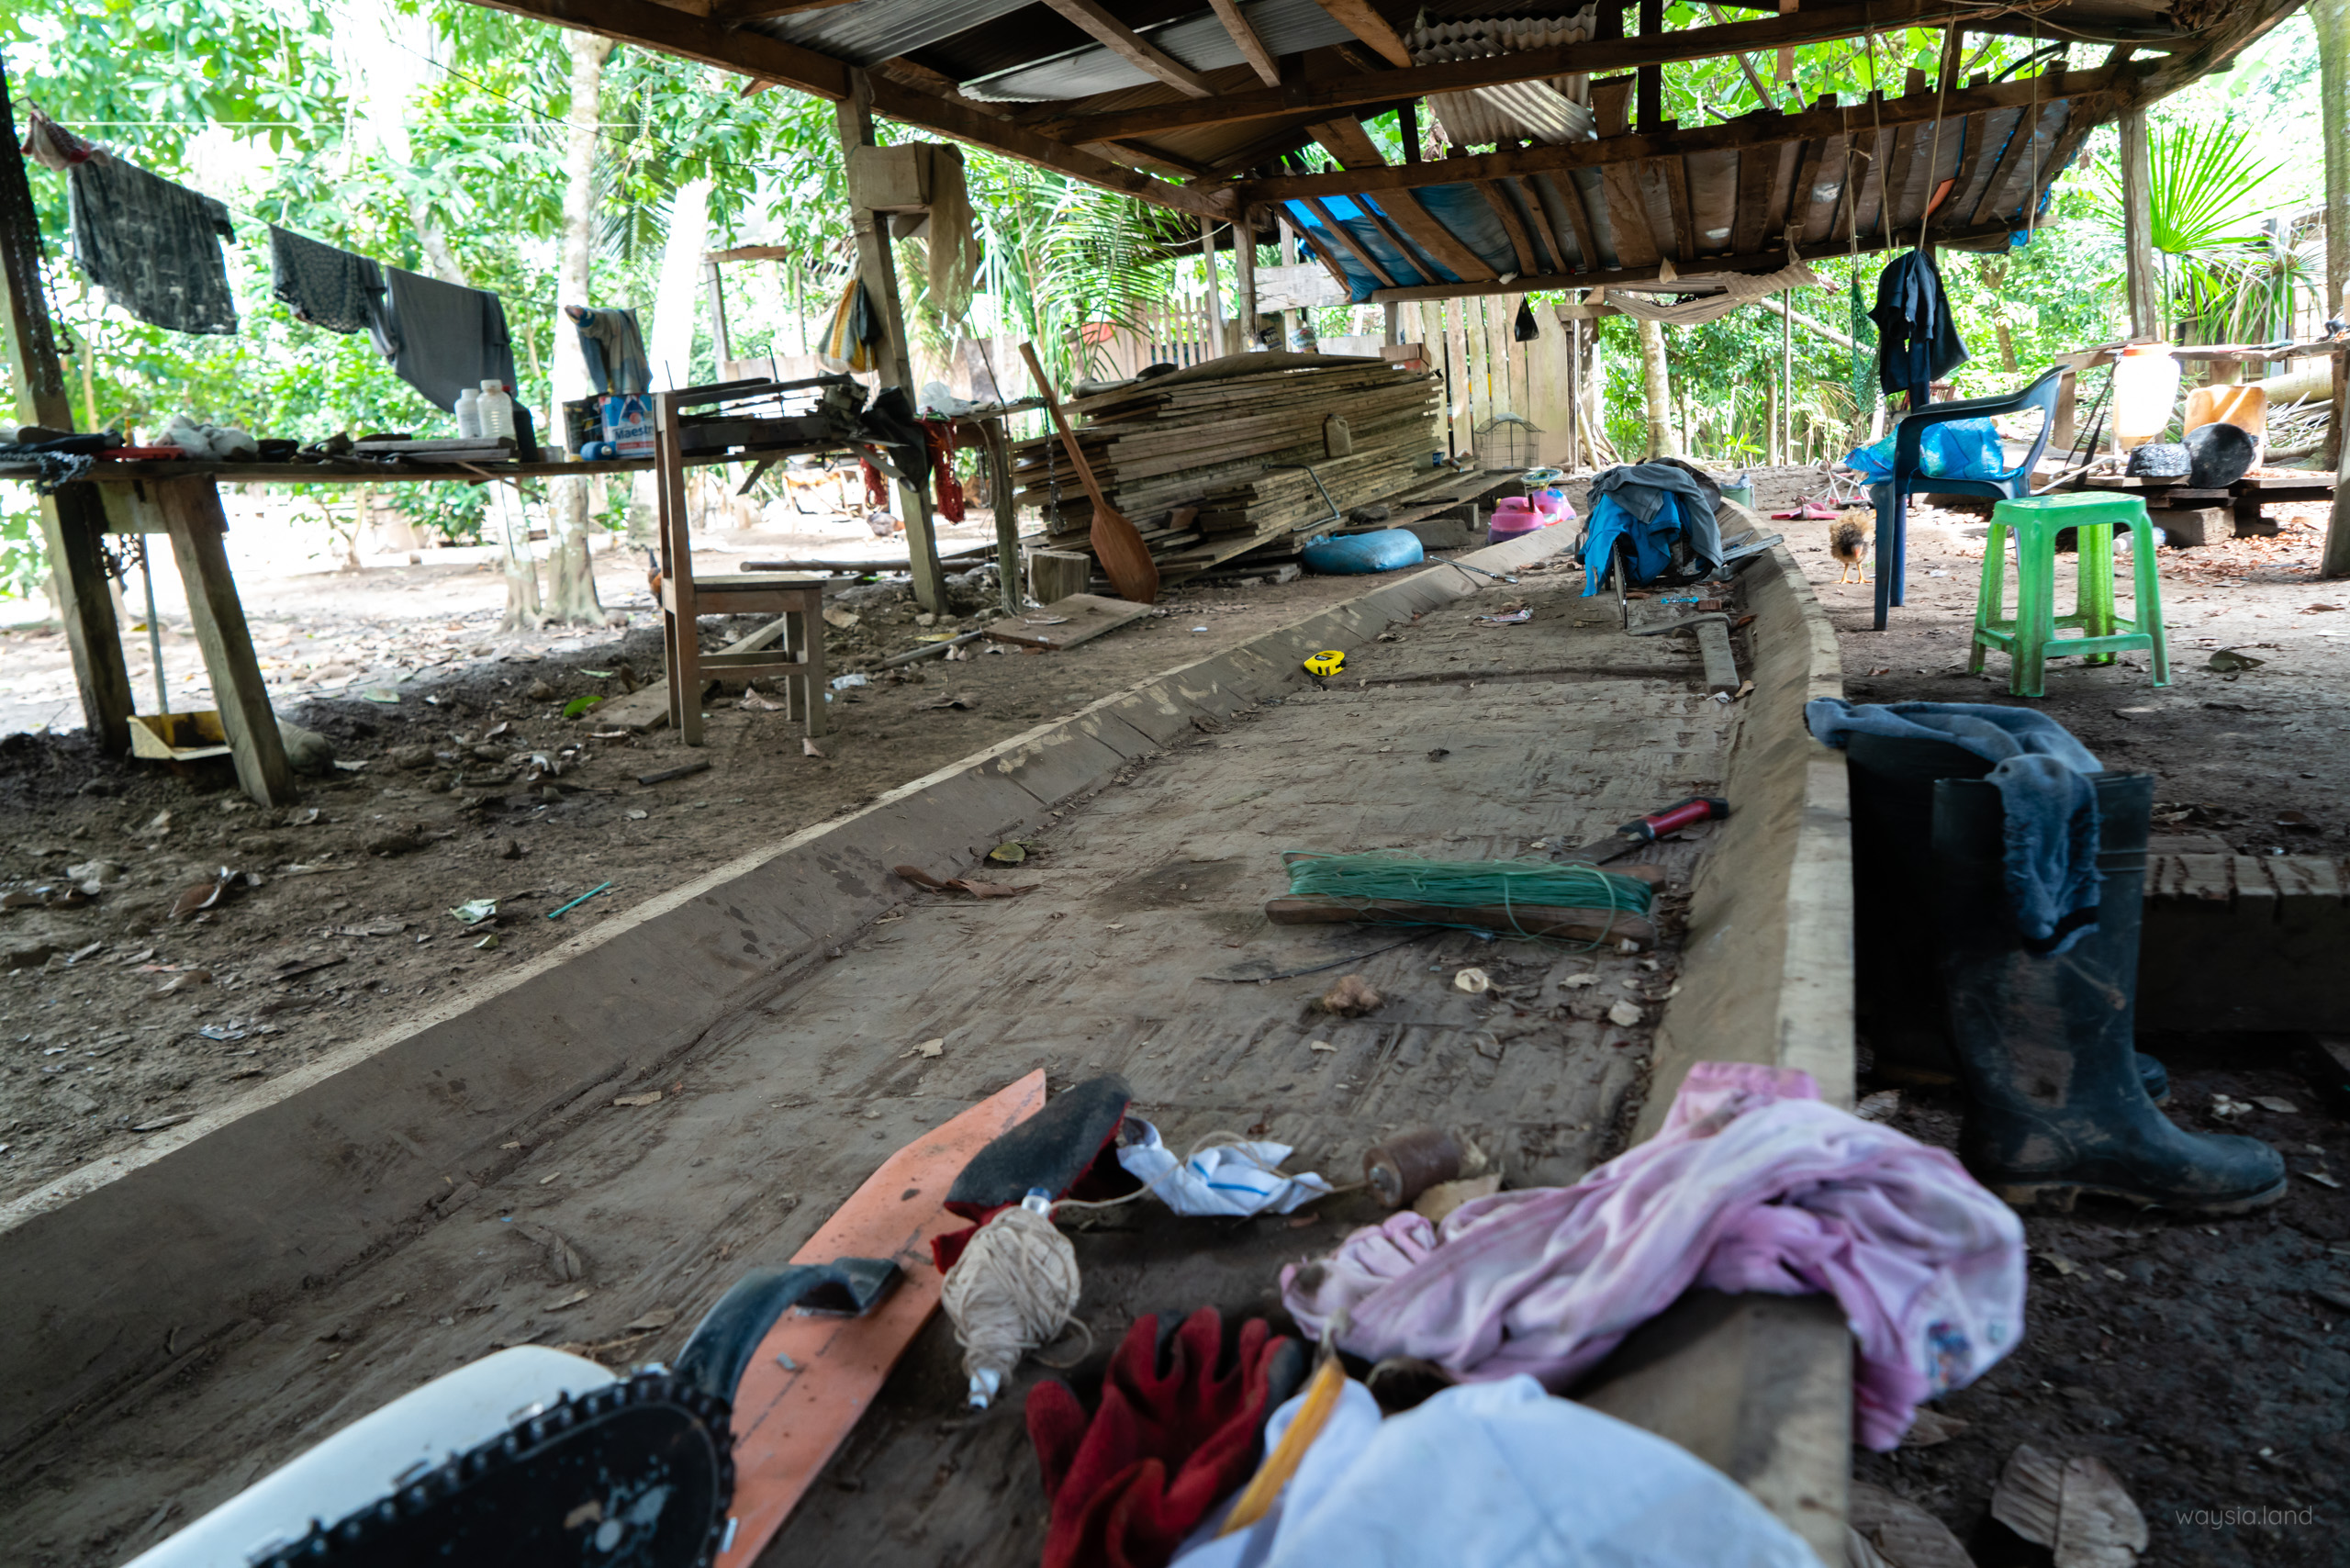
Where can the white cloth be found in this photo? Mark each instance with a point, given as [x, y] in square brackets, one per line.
[1233, 1180]
[1498, 1475]
[1738, 288]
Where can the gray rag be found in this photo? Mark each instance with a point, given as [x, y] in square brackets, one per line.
[442, 337]
[613, 345]
[2050, 804]
[322, 285]
[154, 245]
[1640, 488]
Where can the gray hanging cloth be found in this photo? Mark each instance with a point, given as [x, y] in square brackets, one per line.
[322, 285]
[442, 337]
[154, 245]
[612, 344]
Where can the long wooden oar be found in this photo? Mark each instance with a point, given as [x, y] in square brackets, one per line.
[1116, 544]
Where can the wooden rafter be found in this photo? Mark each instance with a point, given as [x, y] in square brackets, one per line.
[1345, 140]
[1520, 241]
[2016, 163]
[1322, 252]
[1578, 216]
[1550, 256]
[1130, 46]
[1243, 37]
[1758, 170]
[1675, 174]
[1339, 233]
[1819, 123]
[1328, 96]
[1358, 17]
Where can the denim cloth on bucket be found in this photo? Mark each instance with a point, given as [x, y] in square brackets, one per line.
[1753, 1184]
[613, 345]
[1651, 504]
[322, 285]
[152, 244]
[2050, 804]
[442, 337]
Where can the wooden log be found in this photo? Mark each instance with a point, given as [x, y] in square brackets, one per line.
[1056, 574]
[1533, 920]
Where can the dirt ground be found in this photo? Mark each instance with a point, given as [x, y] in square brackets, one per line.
[117, 1020]
[2207, 1363]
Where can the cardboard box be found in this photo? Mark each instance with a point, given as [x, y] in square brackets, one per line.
[628, 424]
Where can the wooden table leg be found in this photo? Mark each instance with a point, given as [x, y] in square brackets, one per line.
[1003, 495]
[191, 512]
[812, 680]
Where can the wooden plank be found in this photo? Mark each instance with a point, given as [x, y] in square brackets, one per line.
[1243, 37]
[1322, 252]
[1549, 255]
[1652, 75]
[1578, 218]
[1596, 56]
[1130, 46]
[1359, 18]
[1338, 231]
[1084, 617]
[1964, 191]
[2016, 163]
[72, 519]
[1675, 174]
[1413, 218]
[1824, 119]
[200, 531]
[1758, 171]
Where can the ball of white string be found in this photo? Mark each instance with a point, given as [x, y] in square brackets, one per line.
[1011, 1291]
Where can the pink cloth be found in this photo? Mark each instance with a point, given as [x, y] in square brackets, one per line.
[1752, 1185]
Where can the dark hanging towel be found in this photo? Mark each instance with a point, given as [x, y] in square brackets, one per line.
[322, 285]
[152, 245]
[1917, 341]
[442, 337]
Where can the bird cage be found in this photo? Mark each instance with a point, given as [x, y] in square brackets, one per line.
[1508, 440]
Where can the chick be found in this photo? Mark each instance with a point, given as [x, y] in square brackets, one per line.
[1847, 540]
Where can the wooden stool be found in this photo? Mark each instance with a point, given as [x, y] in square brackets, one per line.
[797, 602]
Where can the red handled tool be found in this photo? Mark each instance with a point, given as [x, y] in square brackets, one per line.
[1649, 829]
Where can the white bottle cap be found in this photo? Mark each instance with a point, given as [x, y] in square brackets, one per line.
[493, 385]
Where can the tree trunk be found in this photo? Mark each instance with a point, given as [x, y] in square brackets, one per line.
[1657, 386]
[571, 571]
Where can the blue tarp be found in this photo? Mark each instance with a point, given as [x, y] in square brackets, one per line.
[1463, 210]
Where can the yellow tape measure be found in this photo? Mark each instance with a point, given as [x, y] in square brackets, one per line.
[1331, 661]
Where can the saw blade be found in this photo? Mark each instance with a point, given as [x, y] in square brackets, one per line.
[636, 1475]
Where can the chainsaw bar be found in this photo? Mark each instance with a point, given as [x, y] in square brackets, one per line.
[635, 1475]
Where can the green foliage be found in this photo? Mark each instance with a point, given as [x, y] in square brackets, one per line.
[20, 546]
[458, 513]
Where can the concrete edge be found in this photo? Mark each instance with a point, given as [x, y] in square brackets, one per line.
[1761, 1386]
[129, 1269]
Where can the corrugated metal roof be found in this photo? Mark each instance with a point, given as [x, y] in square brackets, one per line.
[870, 31]
[1551, 110]
[1199, 41]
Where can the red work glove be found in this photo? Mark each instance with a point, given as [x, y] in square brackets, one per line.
[1174, 1436]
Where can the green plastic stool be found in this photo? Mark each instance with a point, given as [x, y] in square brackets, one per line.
[2031, 637]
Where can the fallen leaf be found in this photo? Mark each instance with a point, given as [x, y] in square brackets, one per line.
[756, 702]
[2227, 661]
[979, 889]
[636, 816]
[2271, 1103]
[650, 1097]
[2323, 1180]
[659, 1317]
[2076, 1507]
[930, 1049]
[1902, 1534]
[1879, 1106]
[550, 1176]
[1576, 982]
[159, 1122]
[1009, 854]
[1320, 1046]
[1624, 1015]
[809, 747]
[574, 1299]
[1475, 981]
[1929, 1427]
[2066, 1266]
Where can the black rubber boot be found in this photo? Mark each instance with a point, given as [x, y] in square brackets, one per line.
[1895, 943]
[2056, 1103]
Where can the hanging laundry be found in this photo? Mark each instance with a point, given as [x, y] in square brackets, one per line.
[323, 284]
[52, 146]
[2052, 824]
[154, 245]
[613, 345]
[953, 245]
[442, 337]
[1496, 1475]
[1174, 1435]
[1917, 341]
[1752, 1185]
[855, 328]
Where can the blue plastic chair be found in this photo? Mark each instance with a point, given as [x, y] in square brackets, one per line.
[1893, 523]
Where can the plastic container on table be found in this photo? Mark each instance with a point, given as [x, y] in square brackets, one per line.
[2145, 384]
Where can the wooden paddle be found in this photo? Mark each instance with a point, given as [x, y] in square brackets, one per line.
[1124, 556]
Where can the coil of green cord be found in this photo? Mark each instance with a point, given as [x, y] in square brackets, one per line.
[1372, 878]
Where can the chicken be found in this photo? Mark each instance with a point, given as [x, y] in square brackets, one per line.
[1847, 540]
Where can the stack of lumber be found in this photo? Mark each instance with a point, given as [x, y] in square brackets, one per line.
[1196, 459]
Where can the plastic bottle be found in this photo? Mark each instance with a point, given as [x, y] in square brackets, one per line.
[468, 412]
[2145, 382]
[497, 411]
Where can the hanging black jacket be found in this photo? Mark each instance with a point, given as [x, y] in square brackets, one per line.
[1917, 341]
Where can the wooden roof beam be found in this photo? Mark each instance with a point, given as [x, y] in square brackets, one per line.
[1328, 96]
[1243, 37]
[1358, 17]
[735, 13]
[1759, 131]
[1130, 46]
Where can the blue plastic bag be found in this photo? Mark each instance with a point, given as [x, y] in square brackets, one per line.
[1960, 449]
[1352, 555]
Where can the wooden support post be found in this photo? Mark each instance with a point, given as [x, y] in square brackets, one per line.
[72, 519]
[854, 115]
[1244, 278]
[200, 531]
[1216, 333]
[1407, 120]
[1651, 119]
[1392, 327]
[1575, 394]
[2137, 227]
[1004, 500]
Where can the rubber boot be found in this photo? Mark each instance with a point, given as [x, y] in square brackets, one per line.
[1896, 945]
[2056, 1106]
